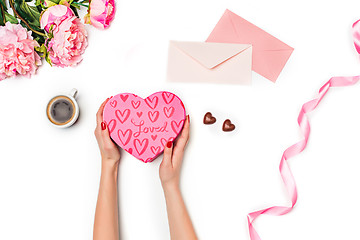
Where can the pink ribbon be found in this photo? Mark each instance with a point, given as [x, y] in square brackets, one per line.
[356, 35]
[298, 147]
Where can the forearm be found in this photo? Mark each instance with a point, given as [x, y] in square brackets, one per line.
[180, 224]
[106, 225]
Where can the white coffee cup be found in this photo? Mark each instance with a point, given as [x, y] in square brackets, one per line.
[63, 110]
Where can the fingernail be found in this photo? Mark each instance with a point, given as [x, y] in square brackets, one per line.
[103, 126]
[111, 96]
[188, 116]
[169, 144]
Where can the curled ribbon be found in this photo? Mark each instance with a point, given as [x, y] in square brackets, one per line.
[298, 147]
[356, 35]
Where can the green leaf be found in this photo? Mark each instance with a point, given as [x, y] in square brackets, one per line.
[11, 18]
[2, 18]
[39, 9]
[29, 18]
[3, 3]
[39, 38]
[43, 52]
[2, 13]
[74, 10]
[29, 13]
[76, 6]
[47, 58]
[38, 3]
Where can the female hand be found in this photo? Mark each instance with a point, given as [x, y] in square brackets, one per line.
[180, 224]
[173, 156]
[106, 223]
[108, 149]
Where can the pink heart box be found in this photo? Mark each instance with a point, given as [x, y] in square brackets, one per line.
[143, 126]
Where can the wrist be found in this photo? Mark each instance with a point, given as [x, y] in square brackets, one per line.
[109, 165]
[170, 187]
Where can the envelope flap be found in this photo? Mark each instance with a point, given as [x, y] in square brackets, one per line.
[270, 63]
[210, 55]
[250, 33]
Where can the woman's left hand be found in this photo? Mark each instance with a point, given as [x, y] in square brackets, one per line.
[109, 151]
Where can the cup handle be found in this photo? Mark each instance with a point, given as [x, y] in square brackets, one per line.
[73, 92]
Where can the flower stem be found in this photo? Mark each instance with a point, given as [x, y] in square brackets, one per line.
[3, 13]
[18, 15]
[81, 4]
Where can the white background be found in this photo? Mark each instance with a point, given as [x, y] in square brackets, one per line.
[49, 177]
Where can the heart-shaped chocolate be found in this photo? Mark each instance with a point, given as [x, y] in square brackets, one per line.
[143, 126]
[209, 119]
[228, 126]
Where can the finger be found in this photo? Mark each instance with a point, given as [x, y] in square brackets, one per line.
[181, 143]
[167, 154]
[105, 134]
[99, 114]
[184, 136]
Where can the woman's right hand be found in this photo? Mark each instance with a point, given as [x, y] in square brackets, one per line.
[173, 156]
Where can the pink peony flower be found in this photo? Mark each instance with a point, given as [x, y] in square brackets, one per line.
[17, 54]
[101, 13]
[53, 14]
[69, 36]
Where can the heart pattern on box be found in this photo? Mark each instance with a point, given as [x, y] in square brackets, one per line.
[143, 126]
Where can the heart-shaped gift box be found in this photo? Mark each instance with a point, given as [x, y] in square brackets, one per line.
[142, 127]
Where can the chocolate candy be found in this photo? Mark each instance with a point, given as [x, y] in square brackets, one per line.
[228, 126]
[209, 119]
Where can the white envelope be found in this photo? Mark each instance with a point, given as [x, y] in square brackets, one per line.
[209, 62]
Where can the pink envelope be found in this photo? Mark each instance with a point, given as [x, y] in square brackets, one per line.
[209, 62]
[269, 53]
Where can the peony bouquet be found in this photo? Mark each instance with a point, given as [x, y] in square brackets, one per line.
[49, 29]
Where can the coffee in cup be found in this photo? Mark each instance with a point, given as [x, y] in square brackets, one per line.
[63, 110]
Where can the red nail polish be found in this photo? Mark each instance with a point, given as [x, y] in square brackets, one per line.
[169, 144]
[188, 116]
[103, 126]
